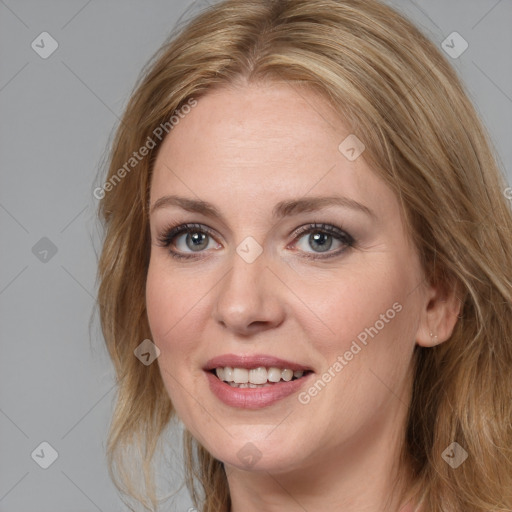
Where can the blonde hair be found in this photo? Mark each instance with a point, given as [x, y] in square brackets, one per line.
[401, 97]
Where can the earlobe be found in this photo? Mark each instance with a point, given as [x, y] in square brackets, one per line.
[439, 315]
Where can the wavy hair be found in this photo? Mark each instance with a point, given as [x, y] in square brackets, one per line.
[394, 89]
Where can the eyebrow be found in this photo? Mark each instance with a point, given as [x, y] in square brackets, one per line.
[280, 210]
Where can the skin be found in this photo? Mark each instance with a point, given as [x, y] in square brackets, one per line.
[244, 149]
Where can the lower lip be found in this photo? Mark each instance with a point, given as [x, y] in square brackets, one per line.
[253, 398]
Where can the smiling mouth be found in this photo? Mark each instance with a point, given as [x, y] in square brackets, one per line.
[257, 377]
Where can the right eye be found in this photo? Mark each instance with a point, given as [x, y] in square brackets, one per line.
[194, 237]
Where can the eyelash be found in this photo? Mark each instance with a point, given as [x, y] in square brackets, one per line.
[167, 237]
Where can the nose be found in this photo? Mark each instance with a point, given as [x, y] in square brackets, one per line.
[249, 298]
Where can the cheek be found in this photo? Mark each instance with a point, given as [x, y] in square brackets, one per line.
[167, 306]
[355, 300]
[366, 351]
[159, 304]
[177, 309]
[169, 300]
[368, 320]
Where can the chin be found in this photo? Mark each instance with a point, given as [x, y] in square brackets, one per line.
[277, 455]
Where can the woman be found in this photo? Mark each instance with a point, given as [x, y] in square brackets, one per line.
[305, 232]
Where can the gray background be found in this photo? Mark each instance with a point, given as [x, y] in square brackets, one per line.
[56, 117]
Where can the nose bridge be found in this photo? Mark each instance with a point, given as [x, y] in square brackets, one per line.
[245, 295]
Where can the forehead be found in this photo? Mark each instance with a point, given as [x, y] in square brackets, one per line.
[261, 143]
[237, 123]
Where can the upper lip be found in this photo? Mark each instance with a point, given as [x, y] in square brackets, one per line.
[252, 361]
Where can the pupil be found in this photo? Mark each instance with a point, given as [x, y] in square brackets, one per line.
[198, 240]
[320, 238]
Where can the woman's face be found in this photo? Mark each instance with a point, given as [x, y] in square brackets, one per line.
[340, 301]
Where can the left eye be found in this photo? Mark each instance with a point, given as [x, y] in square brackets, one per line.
[321, 237]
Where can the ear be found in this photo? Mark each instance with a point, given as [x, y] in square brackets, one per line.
[440, 312]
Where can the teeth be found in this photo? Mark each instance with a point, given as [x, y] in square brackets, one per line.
[287, 375]
[274, 374]
[241, 375]
[256, 377]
